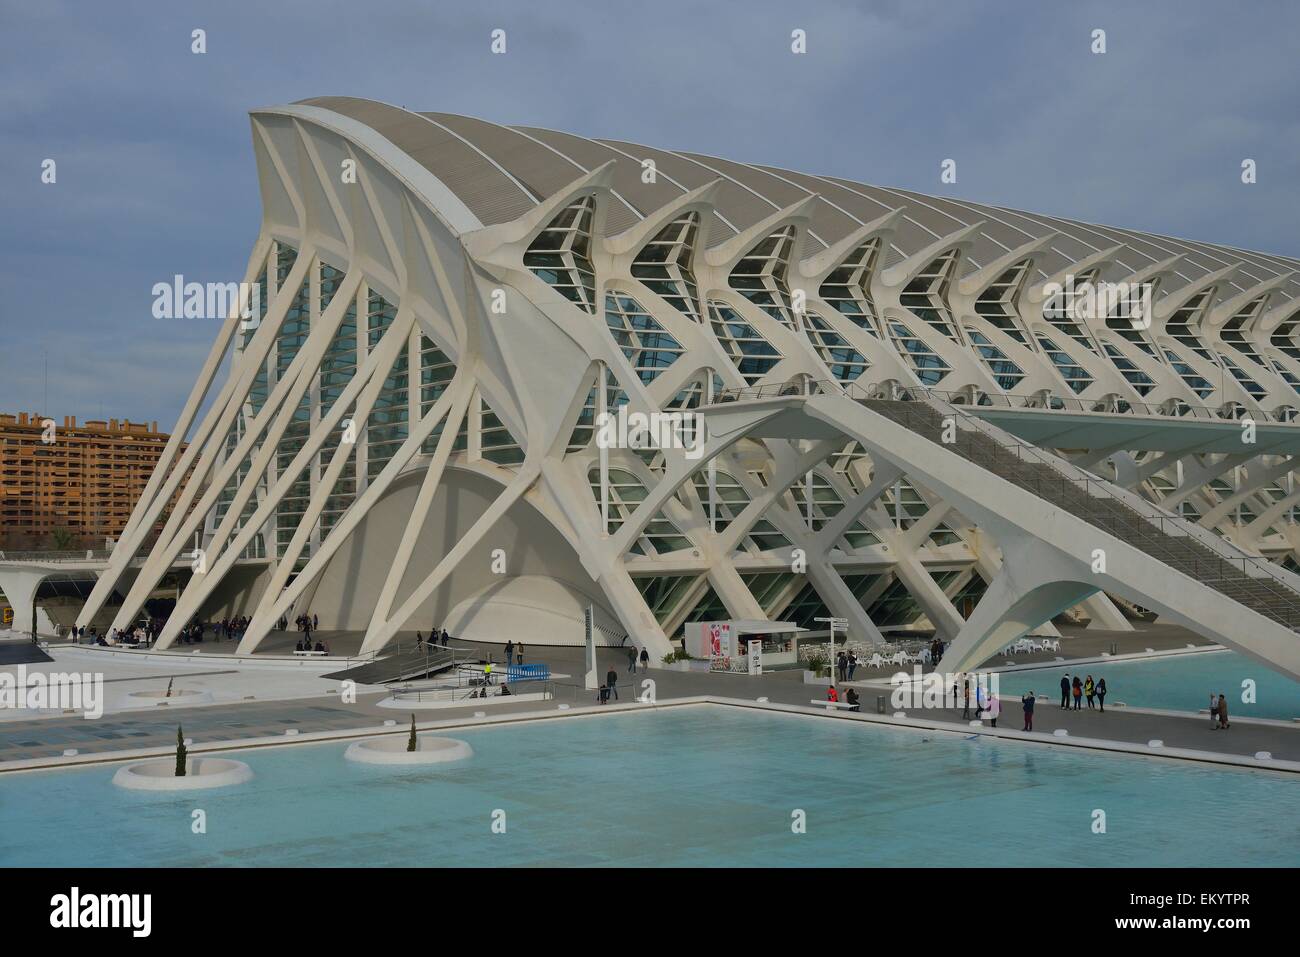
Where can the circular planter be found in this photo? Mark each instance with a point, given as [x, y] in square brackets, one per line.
[201, 773]
[158, 696]
[392, 750]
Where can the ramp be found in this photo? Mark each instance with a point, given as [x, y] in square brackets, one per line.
[21, 651]
[402, 665]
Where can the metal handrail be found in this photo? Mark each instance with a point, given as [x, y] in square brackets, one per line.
[985, 400]
[57, 557]
[462, 692]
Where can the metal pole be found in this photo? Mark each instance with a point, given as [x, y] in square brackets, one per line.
[602, 412]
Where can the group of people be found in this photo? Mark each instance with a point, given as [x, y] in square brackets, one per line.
[306, 624]
[437, 638]
[845, 664]
[610, 687]
[304, 644]
[936, 651]
[123, 636]
[851, 698]
[1073, 689]
[1218, 711]
[228, 628]
[633, 658]
[1082, 688]
[984, 701]
[146, 632]
[233, 627]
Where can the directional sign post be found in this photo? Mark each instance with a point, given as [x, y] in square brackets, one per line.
[832, 624]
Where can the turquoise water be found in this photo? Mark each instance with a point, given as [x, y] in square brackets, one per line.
[1177, 683]
[690, 786]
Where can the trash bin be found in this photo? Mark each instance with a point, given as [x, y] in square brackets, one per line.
[880, 704]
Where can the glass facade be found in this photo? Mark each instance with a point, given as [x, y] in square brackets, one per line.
[388, 421]
[760, 276]
[923, 360]
[1004, 372]
[561, 254]
[664, 265]
[1075, 375]
[926, 295]
[647, 345]
[752, 355]
[996, 305]
[847, 288]
[842, 361]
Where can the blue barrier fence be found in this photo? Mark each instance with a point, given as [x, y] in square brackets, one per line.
[537, 672]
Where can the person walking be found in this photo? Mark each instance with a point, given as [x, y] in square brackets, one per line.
[965, 690]
[510, 651]
[842, 666]
[853, 664]
[645, 660]
[994, 709]
[1089, 691]
[611, 681]
[1223, 712]
[1065, 692]
[1027, 704]
[1214, 712]
[1101, 694]
[519, 653]
[631, 661]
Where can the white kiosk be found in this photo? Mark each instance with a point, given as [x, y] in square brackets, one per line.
[743, 647]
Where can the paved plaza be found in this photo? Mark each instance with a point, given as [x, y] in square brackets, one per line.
[316, 705]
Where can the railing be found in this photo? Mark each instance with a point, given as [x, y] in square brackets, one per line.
[1168, 409]
[468, 693]
[984, 400]
[66, 555]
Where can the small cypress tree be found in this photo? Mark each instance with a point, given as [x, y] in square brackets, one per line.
[410, 744]
[180, 752]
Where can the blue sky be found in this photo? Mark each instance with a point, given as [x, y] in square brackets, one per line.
[156, 175]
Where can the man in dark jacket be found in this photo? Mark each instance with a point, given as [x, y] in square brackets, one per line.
[1027, 702]
[611, 682]
[1065, 693]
